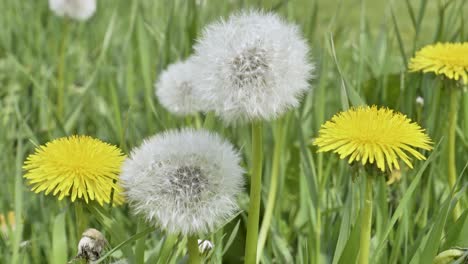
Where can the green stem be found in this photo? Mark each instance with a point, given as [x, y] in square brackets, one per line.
[167, 248]
[61, 87]
[81, 219]
[194, 253]
[140, 244]
[198, 123]
[188, 121]
[318, 208]
[318, 234]
[366, 224]
[255, 194]
[452, 170]
[209, 120]
[265, 227]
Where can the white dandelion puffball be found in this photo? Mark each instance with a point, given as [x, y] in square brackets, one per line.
[253, 66]
[76, 9]
[174, 88]
[184, 181]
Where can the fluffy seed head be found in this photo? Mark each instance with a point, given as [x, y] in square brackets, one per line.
[184, 181]
[175, 88]
[252, 66]
[75, 9]
[371, 135]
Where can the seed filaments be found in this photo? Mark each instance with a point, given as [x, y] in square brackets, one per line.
[188, 181]
[249, 67]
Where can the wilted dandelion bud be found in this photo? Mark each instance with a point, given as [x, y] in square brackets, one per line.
[91, 245]
[184, 181]
[420, 101]
[76, 9]
[175, 88]
[7, 222]
[449, 256]
[205, 246]
[252, 66]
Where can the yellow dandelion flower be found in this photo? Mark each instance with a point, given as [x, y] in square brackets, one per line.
[77, 166]
[369, 135]
[449, 59]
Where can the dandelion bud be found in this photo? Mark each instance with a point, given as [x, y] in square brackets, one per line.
[420, 101]
[205, 246]
[75, 9]
[7, 222]
[448, 256]
[91, 245]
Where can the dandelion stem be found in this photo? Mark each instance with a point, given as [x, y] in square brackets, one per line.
[194, 253]
[198, 123]
[140, 244]
[209, 120]
[81, 219]
[366, 223]
[61, 72]
[452, 169]
[255, 194]
[271, 202]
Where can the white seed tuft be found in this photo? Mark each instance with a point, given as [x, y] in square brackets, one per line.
[75, 9]
[175, 88]
[252, 66]
[184, 181]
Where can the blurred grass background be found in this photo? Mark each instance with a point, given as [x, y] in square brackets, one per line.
[110, 63]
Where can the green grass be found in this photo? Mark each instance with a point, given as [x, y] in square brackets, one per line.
[111, 62]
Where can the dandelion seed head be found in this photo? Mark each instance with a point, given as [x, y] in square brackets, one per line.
[253, 66]
[184, 181]
[175, 88]
[75, 9]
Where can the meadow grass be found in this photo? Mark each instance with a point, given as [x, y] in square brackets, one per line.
[108, 67]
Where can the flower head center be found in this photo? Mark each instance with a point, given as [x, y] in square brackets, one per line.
[249, 67]
[189, 181]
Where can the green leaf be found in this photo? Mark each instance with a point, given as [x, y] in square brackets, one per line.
[59, 241]
[403, 205]
[125, 243]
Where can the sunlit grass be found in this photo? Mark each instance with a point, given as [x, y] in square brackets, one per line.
[361, 49]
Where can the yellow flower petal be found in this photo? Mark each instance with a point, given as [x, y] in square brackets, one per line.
[449, 59]
[373, 136]
[79, 166]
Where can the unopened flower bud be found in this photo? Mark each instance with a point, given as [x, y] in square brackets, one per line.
[204, 246]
